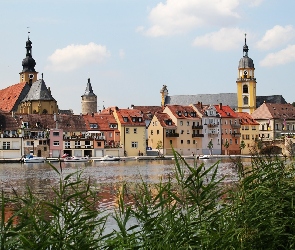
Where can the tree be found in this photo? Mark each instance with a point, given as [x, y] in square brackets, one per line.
[226, 145]
[242, 145]
[159, 147]
[210, 146]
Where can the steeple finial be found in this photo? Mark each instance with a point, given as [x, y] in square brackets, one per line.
[245, 47]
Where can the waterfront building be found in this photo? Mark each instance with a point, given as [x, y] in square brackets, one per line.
[276, 121]
[189, 128]
[249, 132]
[132, 130]
[230, 129]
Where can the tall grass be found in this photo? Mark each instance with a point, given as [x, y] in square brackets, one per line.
[190, 210]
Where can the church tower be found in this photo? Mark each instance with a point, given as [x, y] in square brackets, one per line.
[246, 83]
[164, 94]
[89, 100]
[28, 74]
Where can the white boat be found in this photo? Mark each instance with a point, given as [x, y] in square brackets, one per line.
[33, 159]
[110, 158]
[76, 159]
[204, 157]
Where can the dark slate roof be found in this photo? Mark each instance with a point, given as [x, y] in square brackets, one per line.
[39, 91]
[229, 99]
[270, 99]
[246, 62]
[89, 90]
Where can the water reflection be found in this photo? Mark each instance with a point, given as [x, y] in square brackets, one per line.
[108, 176]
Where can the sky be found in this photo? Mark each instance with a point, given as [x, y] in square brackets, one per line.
[130, 48]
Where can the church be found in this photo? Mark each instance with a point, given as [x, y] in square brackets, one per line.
[244, 100]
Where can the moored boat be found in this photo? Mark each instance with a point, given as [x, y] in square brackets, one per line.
[110, 158]
[33, 159]
[76, 159]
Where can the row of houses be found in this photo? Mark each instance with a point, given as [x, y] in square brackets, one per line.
[194, 129]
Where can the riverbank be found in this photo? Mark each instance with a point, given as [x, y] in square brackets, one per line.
[126, 158]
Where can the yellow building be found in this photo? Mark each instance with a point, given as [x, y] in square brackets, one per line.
[246, 83]
[132, 130]
[249, 132]
[189, 127]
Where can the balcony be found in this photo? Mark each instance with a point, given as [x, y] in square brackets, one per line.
[197, 127]
[236, 134]
[213, 125]
[172, 134]
[197, 135]
[235, 125]
[212, 134]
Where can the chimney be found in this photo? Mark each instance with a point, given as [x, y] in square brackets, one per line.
[220, 106]
[92, 114]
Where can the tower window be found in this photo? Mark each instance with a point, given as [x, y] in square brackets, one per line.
[246, 100]
[245, 89]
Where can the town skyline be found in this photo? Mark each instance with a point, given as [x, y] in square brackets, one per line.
[129, 49]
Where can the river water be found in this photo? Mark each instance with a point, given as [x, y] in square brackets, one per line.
[109, 176]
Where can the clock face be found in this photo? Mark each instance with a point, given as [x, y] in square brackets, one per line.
[31, 76]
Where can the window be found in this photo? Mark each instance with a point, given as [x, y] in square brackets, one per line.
[77, 144]
[99, 144]
[93, 125]
[187, 131]
[134, 119]
[67, 144]
[135, 130]
[134, 144]
[139, 119]
[152, 132]
[181, 141]
[181, 123]
[125, 119]
[246, 100]
[55, 133]
[182, 131]
[127, 130]
[236, 141]
[6, 145]
[218, 142]
[45, 149]
[230, 141]
[247, 137]
[187, 123]
[111, 134]
[158, 131]
[245, 89]
[56, 143]
[188, 142]
[194, 141]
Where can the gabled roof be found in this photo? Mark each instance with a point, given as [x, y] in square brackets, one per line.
[148, 111]
[163, 118]
[103, 122]
[225, 111]
[246, 119]
[274, 111]
[8, 122]
[39, 91]
[129, 114]
[11, 96]
[183, 112]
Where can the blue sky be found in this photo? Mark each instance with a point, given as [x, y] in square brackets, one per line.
[131, 48]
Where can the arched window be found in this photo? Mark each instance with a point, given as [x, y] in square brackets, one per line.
[245, 89]
[246, 100]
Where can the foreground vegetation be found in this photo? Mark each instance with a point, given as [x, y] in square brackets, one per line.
[190, 210]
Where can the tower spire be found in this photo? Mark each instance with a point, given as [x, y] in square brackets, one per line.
[245, 47]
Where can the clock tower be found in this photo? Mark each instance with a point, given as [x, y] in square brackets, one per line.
[246, 83]
[28, 74]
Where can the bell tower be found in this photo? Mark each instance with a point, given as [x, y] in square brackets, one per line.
[28, 74]
[246, 83]
[89, 100]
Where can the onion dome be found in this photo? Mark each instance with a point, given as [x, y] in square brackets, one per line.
[245, 61]
[28, 63]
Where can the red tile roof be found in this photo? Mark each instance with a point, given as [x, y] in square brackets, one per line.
[274, 111]
[246, 119]
[148, 111]
[225, 111]
[130, 114]
[9, 96]
[163, 118]
[183, 112]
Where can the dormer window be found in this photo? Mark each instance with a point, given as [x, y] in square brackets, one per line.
[185, 114]
[93, 125]
[133, 119]
[25, 124]
[179, 113]
[139, 119]
[125, 119]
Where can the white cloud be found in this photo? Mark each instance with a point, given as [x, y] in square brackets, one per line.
[121, 53]
[180, 16]
[76, 56]
[254, 3]
[276, 36]
[279, 58]
[224, 39]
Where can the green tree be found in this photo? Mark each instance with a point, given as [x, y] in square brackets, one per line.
[242, 145]
[226, 145]
[159, 147]
[210, 146]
